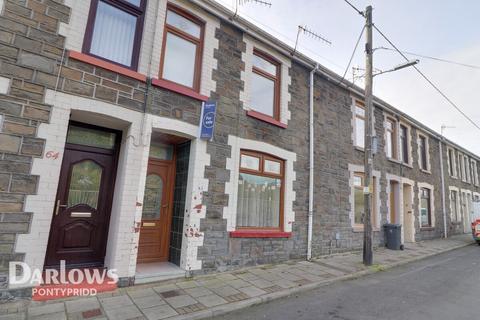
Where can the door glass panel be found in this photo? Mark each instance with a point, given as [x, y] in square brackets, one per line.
[152, 199]
[161, 151]
[85, 184]
[91, 137]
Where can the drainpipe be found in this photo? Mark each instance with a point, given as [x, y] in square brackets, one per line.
[311, 168]
[443, 189]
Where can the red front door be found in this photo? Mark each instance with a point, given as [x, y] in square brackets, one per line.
[78, 233]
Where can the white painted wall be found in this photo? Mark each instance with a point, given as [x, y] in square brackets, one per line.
[152, 37]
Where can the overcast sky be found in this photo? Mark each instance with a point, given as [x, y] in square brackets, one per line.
[443, 29]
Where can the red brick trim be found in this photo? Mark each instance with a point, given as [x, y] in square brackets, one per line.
[259, 234]
[263, 117]
[106, 65]
[178, 89]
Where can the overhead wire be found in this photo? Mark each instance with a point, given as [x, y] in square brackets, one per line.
[453, 104]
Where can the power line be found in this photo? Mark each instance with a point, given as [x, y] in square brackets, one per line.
[434, 58]
[353, 54]
[428, 80]
[355, 8]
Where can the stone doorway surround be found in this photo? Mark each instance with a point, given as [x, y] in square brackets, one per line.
[126, 213]
[400, 210]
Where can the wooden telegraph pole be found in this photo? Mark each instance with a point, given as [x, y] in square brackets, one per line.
[368, 189]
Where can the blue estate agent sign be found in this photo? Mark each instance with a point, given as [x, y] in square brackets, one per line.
[207, 124]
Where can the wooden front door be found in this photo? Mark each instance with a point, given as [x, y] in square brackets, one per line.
[79, 228]
[157, 211]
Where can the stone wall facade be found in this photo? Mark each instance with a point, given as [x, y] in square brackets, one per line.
[34, 60]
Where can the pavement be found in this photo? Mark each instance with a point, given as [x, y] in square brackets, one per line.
[440, 287]
[214, 295]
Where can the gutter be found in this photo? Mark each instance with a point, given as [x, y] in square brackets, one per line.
[228, 16]
[311, 176]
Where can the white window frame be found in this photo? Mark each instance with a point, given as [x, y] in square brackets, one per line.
[461, 167]
[355, 103]
[352, 168]
[421, 185]
[458, 217]
[427, 152]
[396, 137]
[454, 164]
[409, 143]
[474, 172]
[466, 163]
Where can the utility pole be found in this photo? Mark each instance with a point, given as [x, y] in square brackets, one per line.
[368, 189]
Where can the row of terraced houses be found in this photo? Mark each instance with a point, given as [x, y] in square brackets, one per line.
[101, 164]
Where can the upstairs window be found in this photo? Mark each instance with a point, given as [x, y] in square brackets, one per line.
[260, 192]
[475, 173]
[452, 168]
[467, 169]
[404, 150]
[114, 31]
[423, 152]
[391, 138]
[182, 48]
[359, 124]
[461, 167]
[265, 86]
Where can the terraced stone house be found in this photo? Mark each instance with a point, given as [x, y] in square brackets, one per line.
[101, 164]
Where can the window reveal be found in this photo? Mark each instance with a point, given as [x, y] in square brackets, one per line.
[260, 191]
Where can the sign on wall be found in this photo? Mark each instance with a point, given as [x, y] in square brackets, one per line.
[207, 120]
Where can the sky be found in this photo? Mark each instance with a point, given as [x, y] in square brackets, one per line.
[443, 29]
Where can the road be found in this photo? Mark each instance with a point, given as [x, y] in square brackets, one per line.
[446, 286]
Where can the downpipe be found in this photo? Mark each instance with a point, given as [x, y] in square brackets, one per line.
[311, 173]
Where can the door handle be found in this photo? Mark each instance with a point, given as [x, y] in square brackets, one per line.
[58, 206]
[165, 206]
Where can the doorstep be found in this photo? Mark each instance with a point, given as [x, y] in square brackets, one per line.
[157, 271]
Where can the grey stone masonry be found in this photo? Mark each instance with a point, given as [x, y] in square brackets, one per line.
[31, 53]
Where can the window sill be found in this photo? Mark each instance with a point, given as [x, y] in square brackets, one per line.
[427, 228]
[359, 148]
[394, 160]
[426, 171]
[263, 117]
[358, 229]
[259, 234]
[106, 65]
[165, 84]
[408, 165]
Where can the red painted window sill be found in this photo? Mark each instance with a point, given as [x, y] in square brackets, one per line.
[259, 234]
[178, 89]
[265, 118]
[106, 65]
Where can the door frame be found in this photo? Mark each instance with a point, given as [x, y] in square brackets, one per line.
[170, 195]
[115, 152]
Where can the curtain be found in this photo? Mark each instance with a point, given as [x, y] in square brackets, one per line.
[114, 34]
[258, 201]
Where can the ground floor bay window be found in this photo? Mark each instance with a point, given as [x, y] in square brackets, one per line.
[260, 192]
